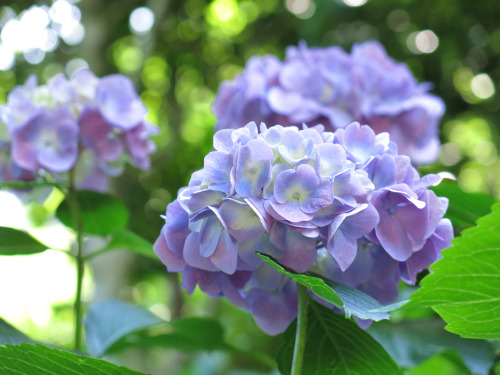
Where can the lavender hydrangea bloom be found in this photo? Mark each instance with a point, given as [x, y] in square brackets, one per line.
[344, 205]
[48, 140]
[330, 87]
[84, 123]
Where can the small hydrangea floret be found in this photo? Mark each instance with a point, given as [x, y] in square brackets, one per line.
[331, 87]
[85, 124]
[344, 205]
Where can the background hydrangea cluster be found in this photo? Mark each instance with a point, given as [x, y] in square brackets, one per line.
[330, 87]
[343, 204]
[87, 124]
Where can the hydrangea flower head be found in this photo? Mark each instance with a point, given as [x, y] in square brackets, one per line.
[344, 205]
[330, 87]
[87, 124]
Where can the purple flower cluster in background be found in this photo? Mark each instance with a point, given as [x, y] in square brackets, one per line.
[89, 124]
[330, 87]
[344, 205]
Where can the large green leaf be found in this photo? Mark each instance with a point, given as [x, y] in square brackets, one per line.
[352, 301]
[464, 208]
[18, 242]
[189, 334]
[109, 321]
[124, 239]
[335, 346]
[27, 359]
[10, 335]
[101, 213]
[464, 285]
[411, 342]
[112, 326]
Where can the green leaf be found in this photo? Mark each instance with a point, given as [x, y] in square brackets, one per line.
[335, 346]
[101, 213]
[412, 342]
[18, 242]
[127, 240]
[352, 301]
[10, 335]
[189, 334]
[464, 285]
[108, 321]
[27, 359]
[464, 208]
[113, 326]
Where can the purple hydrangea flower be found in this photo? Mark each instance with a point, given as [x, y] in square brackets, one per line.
[84, 123]
[330, 87]
[344, 205]
[48, 140]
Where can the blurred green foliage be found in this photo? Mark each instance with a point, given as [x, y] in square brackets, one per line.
[193, 45]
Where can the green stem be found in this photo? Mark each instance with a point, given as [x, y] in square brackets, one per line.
[300, 335]
[75, 209]
[29, 184]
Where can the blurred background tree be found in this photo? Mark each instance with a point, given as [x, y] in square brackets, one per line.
[178, 52]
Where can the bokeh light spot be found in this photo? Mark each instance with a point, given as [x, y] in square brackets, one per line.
[398, 20]
[6, 58]
[34, 56]
[471, 180]
[485, 153]
[450, 154]
[482, 86]
[224, 10]
[354, 3]
[141, 20]
[301, 8]
[426, 41]
[75, 65]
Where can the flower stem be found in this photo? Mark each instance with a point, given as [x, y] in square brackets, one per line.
[77, 307]
[300, 335]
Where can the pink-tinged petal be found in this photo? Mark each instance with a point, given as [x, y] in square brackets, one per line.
[173, 261]
[189, 280]
[298, 251]
[252, 171]
[118, 101]
[415, 223]
[282, 183]
[217, 167]
[192, 255]
[343, 249]
[241, 220]
[283, 102]
[210, 232]
[223, 141]
[429, 253]
[382, 171]
[232, 293]
[307, 229]
[258, 206]
[176, 227]
[405, 191]
[320, 198]
[97, 134]
[290, 211]
[360, 223]
[225, 257]
[273, 312]
[393, 237]
[48, 140]
[331, 159]
[203, 198]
